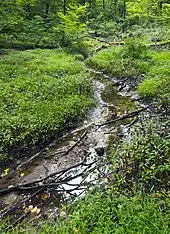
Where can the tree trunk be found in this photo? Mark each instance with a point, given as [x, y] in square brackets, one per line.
[47, 7]
[103, 3]
[123, 15]
[65, 7]
[160, 4]
[28, 10]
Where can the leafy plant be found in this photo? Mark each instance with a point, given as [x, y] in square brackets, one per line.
[106, 212]
[71, 27]
[143, 161]
[42, 92]
[156, 84]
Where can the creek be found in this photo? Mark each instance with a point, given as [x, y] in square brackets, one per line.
[87, 143]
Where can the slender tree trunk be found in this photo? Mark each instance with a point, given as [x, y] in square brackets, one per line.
[160, 5]
[65, 7]
[124, 15]
[103, 3]
[28, 10]
[115, 8]
[47, 7]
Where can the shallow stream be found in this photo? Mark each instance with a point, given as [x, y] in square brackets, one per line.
[66, 152]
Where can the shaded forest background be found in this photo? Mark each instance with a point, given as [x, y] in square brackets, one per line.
[28, 24]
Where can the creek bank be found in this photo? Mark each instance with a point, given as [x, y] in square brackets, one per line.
[51, 159]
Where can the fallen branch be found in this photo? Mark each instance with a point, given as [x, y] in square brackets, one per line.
[64, 151]
[49, 185]
[80, 139]
[113, 43]
[133, 122]
[130, 115]
[20, 203]
[85, 173]
[60, 173]
[29, 160]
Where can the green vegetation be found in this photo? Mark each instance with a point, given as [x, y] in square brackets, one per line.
[156, 84]
[134, 60]
[129, 60]
[104, 212]
[42, 23]
[41, 93]
[142, 163]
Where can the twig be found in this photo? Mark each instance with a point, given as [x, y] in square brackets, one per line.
[131, 123]
[122, 84]
[58, 152]
[130, 115]
[20, 203]
[21, 186]
[43, 186]
[51, 184]
[9, 228]
[29, 160]
[81, 138]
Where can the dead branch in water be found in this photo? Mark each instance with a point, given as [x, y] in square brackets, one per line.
[20, 203]
[59, 173]
[56, 184]
[122, 117]
[72, 147]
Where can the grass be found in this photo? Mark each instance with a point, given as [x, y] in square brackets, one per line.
[42, 92]
[117, 61]
[104, 212]
[142, 163]
[134, 59]
[156, 84]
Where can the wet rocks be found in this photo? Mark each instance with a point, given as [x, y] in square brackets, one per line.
[99, 150]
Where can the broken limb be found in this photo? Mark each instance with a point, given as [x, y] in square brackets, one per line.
[59, 173]
[122, 117]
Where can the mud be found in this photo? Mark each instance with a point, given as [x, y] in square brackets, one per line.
[109, 105]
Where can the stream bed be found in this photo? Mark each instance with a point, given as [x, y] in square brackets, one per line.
[88, 143]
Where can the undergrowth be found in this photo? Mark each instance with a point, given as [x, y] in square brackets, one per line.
[129, 60]
[134, 60]
[142, 162]
[105, 212]
[42, 92]
[156, 84]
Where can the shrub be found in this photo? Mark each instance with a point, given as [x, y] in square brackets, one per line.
[156, 84]
[104, 212]
[134, 49]
[142, 162]
[42, 92]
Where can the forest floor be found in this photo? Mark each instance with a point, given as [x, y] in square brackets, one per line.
[88, 155]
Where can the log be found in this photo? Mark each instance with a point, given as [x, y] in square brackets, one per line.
[122, 117]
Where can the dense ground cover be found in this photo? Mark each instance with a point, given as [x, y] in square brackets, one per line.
[137, 198]
[106, 212]
[156, 84]
[41, 93]
[134, 60]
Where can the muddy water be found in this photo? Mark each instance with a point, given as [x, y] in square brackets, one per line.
[109, 105]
